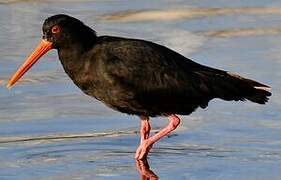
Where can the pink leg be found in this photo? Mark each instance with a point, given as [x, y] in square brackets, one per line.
[145, 128]
[146, 144]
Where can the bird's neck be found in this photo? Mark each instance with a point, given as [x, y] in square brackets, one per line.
[73, 52]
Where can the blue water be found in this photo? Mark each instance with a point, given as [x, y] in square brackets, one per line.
[50, 130]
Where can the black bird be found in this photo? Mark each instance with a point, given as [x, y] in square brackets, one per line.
[138, 77]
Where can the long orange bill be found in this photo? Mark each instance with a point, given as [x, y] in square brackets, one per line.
[43, 47]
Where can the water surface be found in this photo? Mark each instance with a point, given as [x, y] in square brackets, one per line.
[50, 130]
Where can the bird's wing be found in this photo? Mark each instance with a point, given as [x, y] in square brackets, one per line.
[161, 78]
[157, 75]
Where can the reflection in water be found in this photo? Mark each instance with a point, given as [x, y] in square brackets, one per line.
[47, 138]
[184, 13]
[47, 129]
[107, 154]
[228, 33]
[144, 170]
[37, 78]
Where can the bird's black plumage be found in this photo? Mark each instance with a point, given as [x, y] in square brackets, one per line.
[137, 76]
[140, 77]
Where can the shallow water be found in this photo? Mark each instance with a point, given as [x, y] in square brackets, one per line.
[50, 130]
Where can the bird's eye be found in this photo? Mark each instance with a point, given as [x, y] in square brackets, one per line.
[55, 29]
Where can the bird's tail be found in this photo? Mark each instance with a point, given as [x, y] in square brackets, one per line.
[230, 86]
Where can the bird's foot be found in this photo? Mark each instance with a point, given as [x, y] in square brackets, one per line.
[147, 142]
[143, 149]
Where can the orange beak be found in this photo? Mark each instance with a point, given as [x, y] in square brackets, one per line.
[43, 47]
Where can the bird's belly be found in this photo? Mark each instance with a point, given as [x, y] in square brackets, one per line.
[114, 97]
[127, 100]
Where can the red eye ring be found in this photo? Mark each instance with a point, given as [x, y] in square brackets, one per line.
[55, 29]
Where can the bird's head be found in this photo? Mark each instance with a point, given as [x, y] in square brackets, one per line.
[63, 30]
[59, 31]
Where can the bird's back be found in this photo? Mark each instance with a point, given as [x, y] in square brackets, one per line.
[141, 77]
[144, 78]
